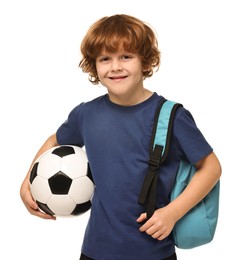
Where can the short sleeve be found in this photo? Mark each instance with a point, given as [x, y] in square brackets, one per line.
[68, 132]
[191, 141]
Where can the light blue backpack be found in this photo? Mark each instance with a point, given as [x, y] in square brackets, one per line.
[198, 226]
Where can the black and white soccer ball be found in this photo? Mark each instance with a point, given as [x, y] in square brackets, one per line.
[61, 182]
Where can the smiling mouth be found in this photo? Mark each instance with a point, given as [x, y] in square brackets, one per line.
[118, 77]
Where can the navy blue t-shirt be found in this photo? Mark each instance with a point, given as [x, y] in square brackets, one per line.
[117, 140]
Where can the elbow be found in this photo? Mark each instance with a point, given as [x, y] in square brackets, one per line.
[216, 168]
[212, 165]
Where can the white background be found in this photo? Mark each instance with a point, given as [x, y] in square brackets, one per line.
[202, 67]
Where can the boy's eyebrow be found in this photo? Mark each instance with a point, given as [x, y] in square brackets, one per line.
[121, 52]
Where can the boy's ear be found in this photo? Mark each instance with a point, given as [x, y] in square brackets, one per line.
[146, 68]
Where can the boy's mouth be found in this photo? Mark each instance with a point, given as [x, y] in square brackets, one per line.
[118, 77]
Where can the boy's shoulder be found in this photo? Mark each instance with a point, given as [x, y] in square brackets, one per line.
[91, 103]
[95, 100]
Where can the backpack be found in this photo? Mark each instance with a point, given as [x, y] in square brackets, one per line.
[197, 227]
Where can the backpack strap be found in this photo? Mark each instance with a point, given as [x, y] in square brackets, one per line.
[159, 147]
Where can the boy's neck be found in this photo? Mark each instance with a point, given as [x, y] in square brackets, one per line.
[131, 100]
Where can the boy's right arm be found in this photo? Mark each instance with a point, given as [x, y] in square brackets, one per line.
[25, 192]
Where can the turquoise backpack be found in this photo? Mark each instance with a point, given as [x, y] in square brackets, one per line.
[198, 226]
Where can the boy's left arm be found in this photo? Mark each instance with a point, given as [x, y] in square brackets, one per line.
[163, 220]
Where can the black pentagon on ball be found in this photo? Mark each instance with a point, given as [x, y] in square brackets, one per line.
[60, 183]
[89, 173]
[81, 208]
[44, 207]
[64, 150]
[33, 172]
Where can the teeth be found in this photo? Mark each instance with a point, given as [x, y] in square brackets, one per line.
[118, 77]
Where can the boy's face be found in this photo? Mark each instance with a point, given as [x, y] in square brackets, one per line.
[121, 73]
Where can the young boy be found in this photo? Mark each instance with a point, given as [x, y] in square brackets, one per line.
[119, 52]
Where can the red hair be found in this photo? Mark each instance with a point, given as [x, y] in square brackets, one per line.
[119, 32]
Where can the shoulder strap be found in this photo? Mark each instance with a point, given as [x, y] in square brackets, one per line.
[163, 126]
[159, 147]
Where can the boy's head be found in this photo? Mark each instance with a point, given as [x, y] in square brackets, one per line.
[115, 33]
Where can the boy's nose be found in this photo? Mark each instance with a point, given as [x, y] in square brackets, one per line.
[116, 65]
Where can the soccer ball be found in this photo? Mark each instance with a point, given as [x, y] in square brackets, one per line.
[61, 182]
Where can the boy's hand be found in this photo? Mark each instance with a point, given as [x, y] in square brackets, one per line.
[159, 226]
[30, 204]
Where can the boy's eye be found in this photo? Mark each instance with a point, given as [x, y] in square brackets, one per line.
[102, 59]
[126, 57]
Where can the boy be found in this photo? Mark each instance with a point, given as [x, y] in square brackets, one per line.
[119, 52]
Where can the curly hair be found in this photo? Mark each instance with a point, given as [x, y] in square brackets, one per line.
[115, 32]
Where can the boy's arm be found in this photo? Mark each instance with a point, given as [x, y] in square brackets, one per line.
[163, 220]
[207, 174]
[25, 192]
